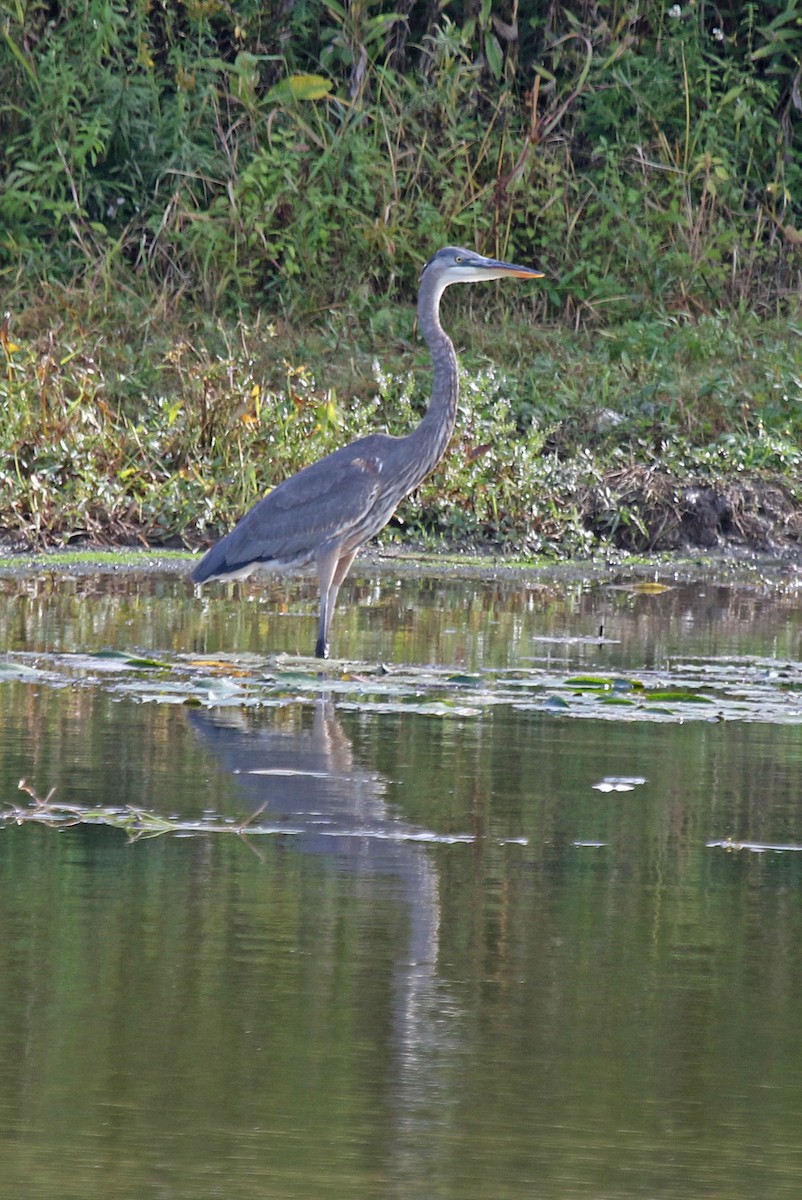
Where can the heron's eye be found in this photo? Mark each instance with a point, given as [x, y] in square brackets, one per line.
[457, 258]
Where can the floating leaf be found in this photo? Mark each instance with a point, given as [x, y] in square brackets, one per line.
[589, 683]
[219, 664]
[756, 847]
[619, 783]
[129, 660]
[299, 679]
[219, 686]
[650, 587]
[679, 697]
[16, 670]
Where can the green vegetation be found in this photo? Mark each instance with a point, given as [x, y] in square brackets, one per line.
[212, 219]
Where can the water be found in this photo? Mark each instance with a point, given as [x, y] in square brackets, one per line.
[472, 942]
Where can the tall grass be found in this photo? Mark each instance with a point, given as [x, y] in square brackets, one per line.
[297, 156]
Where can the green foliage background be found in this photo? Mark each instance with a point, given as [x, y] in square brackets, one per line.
[296, 151]
[212, 213]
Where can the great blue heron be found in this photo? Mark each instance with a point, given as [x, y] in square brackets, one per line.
[326, 512]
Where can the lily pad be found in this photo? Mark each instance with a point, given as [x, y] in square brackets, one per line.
[590, 682]
[678, 697]
[9, 669]
[129, 660]
[650, 587]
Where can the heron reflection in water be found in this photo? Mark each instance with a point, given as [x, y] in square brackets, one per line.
[322, 516]
[309, 781]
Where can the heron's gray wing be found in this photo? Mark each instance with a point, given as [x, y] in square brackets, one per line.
[321, 504]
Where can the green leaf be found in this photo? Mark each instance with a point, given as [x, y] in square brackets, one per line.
[684, 697]
[23, 61]
[495, 55]
[128, 660]
[300, 87]
[591, 683]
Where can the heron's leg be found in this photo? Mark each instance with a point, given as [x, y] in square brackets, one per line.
[326, 566]
[332, 569]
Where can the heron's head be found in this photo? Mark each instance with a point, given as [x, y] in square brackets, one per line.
[452, 264]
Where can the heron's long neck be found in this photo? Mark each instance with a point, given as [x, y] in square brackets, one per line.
[432, 436]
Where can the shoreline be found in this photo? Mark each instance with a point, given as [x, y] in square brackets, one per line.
[721, 564]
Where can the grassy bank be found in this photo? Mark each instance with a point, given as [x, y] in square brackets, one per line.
[211, 226]
[145, 426]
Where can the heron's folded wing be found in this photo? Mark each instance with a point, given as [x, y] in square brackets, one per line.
[322, 503]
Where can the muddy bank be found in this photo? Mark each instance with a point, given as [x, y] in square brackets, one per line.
[655, 513]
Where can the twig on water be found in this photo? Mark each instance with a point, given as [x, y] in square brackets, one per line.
[40, 802]
[136, 822]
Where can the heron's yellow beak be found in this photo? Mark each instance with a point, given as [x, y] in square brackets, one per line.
[504, 268]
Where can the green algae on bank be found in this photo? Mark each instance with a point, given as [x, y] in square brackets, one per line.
[641, 571]
[81, 560]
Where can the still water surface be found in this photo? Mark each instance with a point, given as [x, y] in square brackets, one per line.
[476, 941]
